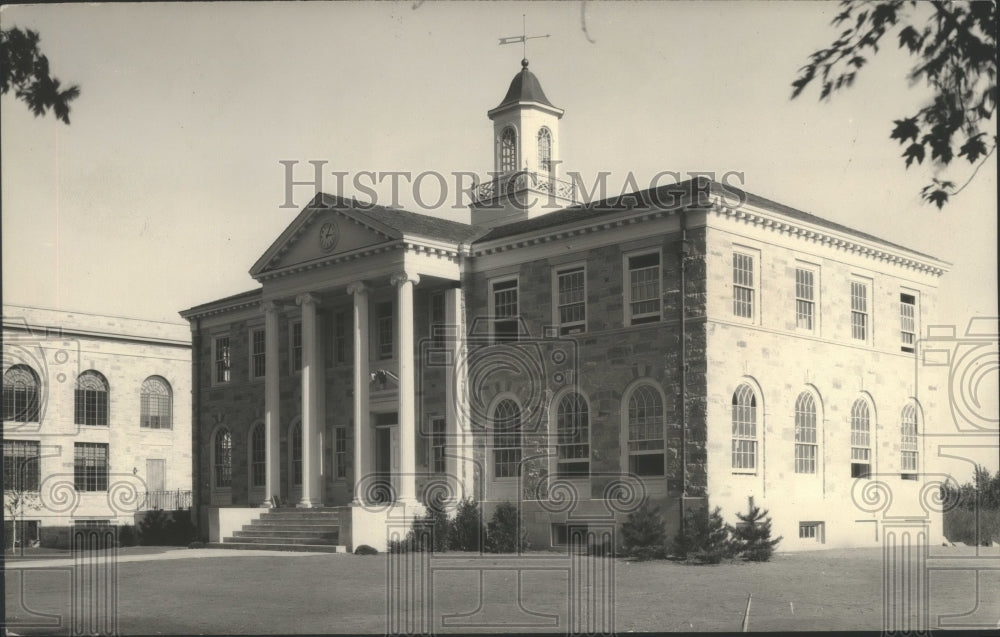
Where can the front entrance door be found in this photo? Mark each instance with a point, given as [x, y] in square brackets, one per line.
[386, 457]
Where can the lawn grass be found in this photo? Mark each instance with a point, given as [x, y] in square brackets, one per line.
[327, 593]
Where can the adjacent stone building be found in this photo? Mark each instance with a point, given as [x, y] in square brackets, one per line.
[686, 344]
[96, 420]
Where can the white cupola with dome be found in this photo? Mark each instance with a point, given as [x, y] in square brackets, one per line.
[525, 182]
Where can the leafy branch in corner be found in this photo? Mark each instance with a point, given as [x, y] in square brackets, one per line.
[25, 70]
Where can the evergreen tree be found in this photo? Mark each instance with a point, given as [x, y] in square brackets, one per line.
[704, 537]
[753, 534]
[644, 533]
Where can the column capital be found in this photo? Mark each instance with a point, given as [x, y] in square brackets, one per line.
[357, 287]
[270, 306]
[402, 277]
[307, 298]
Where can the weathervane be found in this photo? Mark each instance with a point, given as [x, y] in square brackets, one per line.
[523, 38]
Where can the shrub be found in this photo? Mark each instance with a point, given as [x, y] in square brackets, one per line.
[467, 531]
[704, 537]
[127, 535]
[160, 528]
[196, 545]
[644, 534]
[364, 549]
[753, 534]
[960, 525]
[505, 533]
[439, 526]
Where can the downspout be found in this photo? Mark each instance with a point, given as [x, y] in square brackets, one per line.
[683, 249]
[195, 431]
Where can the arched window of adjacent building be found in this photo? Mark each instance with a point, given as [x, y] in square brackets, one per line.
[645, 431]
[573, 437]
[909, 460]
[508, 150]
[156, 402]
[222, 458]
[861, 441]
[258, 457]
[744, 429]
[805, 434]
[91, 399]
[545, 150]
[20, 394]
[296, 442]
[506, 439]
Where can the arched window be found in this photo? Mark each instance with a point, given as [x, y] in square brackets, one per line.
[545, 150]
[744, 428]
[908, 441]
[222, 458]
[296, 440]
[805, 434]
[645, 432]
[861, 445]
[155, 403]
[258, 457]
[20, 394]
[508, 150]
[506, 439]
[91, 400]
[573, 437]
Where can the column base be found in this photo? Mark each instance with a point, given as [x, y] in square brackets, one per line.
[309, 504]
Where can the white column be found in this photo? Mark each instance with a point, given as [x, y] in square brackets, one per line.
[272, 402]
[311, 418]
[404, 283]
[362, 430]
[455, 400]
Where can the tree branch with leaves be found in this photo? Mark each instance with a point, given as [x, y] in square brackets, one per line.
[25, 70]
[955, 47]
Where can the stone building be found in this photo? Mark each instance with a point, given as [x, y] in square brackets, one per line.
[96, 420]
[683, 344]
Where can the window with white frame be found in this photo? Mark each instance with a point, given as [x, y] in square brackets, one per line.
[296, 444]
[907, 321]
[545, 150]
[221, 354]
[506, 439]
[438, 445]
[340, 451]
[20, 394]
[812, 531]
[573, 437]
[805, 434]
[258, 456]
[805, 299]
[744, 429]
[859, 310]
[508, 150]
[295, 347]
[384, 329]
[642, 286]
[571, 299]
[257, 349]
[504, 299]
[743, 285]
[908, 441]
[437, 319]
[90, 466]
[155, 404]
[21, 469]
[861, 443]
[645, 432]
[222, 458]
[90, 405]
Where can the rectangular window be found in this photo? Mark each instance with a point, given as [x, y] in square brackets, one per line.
[340, 451]
[805, 299]
[343, 340]
[505, 311]
[257, 353]
[571, 300]
[743, 285]
[907, 321]
[90, 466]
[384, 318]
[438, 438]
[222, 360]
[859, 311]
[643, 288]
[20, 398]
[295, 351]
[812, 531]
[90, 407]
[21, 471]
[437, 319]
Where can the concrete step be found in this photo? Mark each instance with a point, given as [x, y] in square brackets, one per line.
[315, 548]
[292, 525]
[261, 539]
[283, 533]
[331, 516]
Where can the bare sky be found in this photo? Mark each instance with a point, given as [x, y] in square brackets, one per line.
[166, 187]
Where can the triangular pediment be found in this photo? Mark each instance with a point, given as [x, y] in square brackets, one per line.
[327, 227]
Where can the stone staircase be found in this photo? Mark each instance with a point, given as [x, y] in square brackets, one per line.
[292, 529]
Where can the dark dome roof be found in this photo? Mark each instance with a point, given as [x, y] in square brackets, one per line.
[525, 88]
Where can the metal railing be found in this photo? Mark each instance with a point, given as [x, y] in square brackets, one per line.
[165, 500]
[504, 185]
